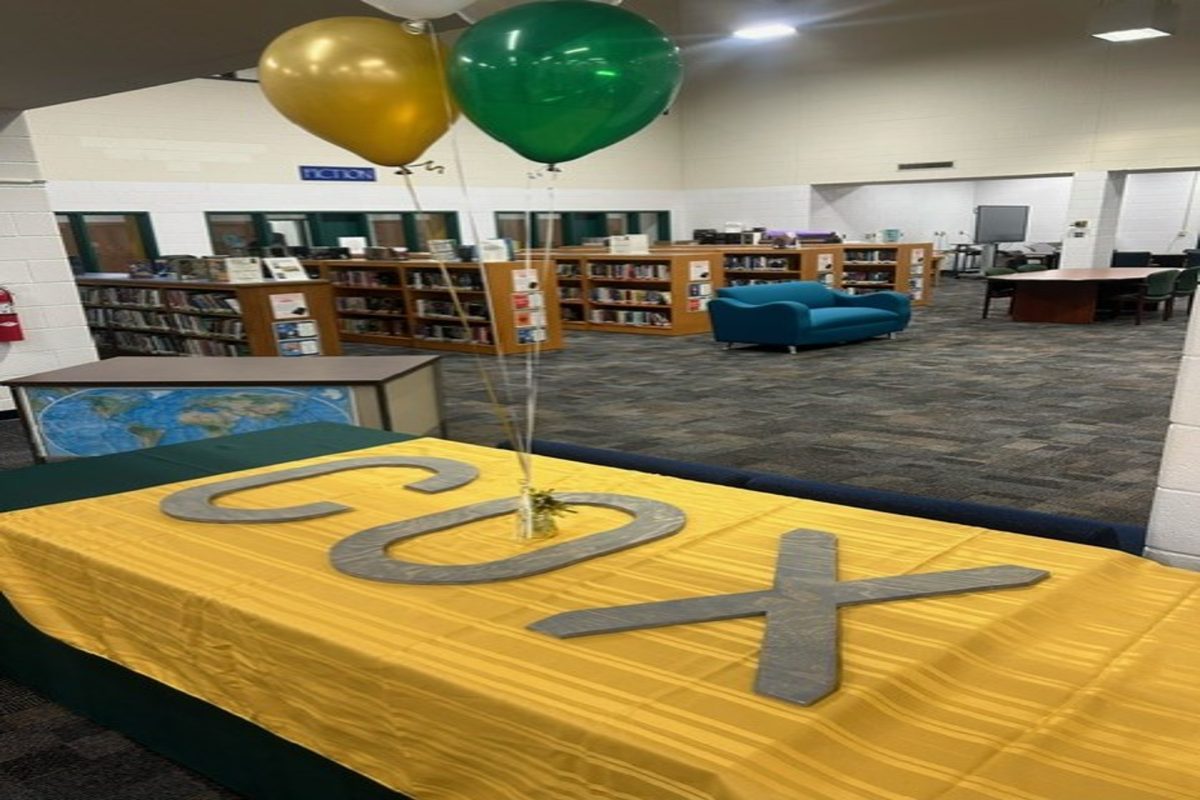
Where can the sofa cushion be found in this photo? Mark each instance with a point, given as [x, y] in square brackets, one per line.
[810, 293]
[1014, 520]
[844, 317]
[656, 465]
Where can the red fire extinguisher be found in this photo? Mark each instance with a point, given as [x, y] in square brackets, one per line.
[10, 323]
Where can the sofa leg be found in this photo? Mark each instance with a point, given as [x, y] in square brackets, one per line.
[729, 345]
[792, 349]
[892, 335]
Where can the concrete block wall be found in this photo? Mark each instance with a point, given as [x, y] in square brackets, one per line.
[1174, 535]
[33, 266]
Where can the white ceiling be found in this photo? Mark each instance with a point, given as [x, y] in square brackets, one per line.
[53, 51]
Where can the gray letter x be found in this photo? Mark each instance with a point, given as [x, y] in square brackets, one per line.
[799, 660]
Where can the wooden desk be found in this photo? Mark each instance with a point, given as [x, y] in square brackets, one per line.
[1064, 295]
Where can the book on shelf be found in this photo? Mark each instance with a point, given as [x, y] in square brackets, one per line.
[447, 308]
[630, 272]
[286, 269]
[375, 327]
[474, 334]
[444, 250]
[614, 316]
[649, 297]
[430, 280]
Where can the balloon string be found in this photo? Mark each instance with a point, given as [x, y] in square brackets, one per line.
[533, 358]
[429, 166]
[523, 453]
[499, 409]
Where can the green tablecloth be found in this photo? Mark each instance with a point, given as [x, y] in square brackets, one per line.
[231, 751]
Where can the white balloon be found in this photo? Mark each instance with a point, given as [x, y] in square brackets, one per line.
[485, 8]
[419, 9]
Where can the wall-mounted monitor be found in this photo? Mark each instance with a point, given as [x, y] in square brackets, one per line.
[995, 224]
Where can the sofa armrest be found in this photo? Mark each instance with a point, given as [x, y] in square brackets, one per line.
[895, 302]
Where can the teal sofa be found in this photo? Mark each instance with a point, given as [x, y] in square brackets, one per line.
[795, 313]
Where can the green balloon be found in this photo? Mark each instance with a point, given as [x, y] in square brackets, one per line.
[559, 79]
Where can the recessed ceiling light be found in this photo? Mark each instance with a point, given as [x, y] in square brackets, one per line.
[773, 31]
[1131, 35]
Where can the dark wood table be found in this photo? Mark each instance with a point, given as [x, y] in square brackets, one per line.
[1065, 295]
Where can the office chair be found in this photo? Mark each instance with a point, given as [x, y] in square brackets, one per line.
[1131, 258]
[1185, 286]
[998, 288]
[1158, 288]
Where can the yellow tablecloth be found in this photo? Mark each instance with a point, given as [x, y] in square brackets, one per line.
[1084, 686]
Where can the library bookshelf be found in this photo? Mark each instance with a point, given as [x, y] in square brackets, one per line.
[199, 318]
[858, 268]
[660, 294]
[872, 267]
[409, 303]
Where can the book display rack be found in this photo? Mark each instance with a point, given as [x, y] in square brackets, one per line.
[664, 293]
[409, 303]
[175, 318]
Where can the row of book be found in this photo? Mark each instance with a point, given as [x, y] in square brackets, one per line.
[376, 304]
[475, 334]
[757, 281]
[868, 277]
[775, 263]
[204, 302]
[570, 293]
[377, 327]
[462, 279]
[572, 314]
[166, 323]
[221, 269]
[875, 254]
[569, 269]
[161, 345]
[209, 326]
[865, 289]
[446, 308]
[120, 296]
[216, 303]
[631, 272]
[374, 278]
[636, 296]
[613, 316]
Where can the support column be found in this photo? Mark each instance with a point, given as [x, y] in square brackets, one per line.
[1174, 536]
[1096, 200]
[33, 266]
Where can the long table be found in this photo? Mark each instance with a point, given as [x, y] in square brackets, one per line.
[1084, 685]
[1064, 295]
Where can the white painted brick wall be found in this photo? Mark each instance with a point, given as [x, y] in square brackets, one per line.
[33, 266]
[1174, 535]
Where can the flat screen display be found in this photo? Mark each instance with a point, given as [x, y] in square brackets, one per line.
[994, 224]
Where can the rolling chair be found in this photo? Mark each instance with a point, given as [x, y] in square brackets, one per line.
[998, 288]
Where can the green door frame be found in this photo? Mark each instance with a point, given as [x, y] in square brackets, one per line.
[87, 251]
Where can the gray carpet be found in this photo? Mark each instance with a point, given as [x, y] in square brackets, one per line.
[1068, 419]
[1061, 418]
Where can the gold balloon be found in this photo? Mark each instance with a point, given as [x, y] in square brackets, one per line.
[369, 85]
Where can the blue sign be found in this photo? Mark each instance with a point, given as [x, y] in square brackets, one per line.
[337, 173]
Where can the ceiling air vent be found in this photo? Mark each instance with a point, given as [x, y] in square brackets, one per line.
[926, 165]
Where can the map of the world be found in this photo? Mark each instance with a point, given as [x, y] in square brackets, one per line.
[74, 422]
